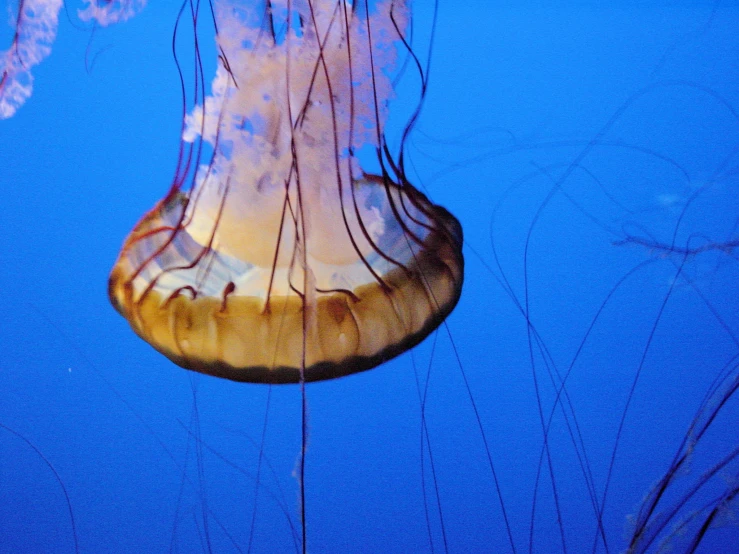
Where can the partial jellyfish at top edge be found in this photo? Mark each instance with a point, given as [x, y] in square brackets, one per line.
[35, 29]
[600, 273]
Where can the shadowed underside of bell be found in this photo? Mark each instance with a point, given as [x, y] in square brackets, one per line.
[202, 309]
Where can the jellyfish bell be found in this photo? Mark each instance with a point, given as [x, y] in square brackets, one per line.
[286, 261]
[235, 325]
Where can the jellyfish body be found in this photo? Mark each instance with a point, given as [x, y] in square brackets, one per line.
[285, 261]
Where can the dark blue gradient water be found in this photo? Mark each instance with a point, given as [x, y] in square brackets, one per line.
[585, 148]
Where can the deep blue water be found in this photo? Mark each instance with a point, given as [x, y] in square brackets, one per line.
[553, 134]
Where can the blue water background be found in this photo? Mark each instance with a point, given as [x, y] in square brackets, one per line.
[155, 458]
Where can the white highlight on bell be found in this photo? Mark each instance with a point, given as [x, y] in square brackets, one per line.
[285, 115]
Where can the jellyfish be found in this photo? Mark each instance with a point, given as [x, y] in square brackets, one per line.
[287, 261]
[35, 29]
[590, 156]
